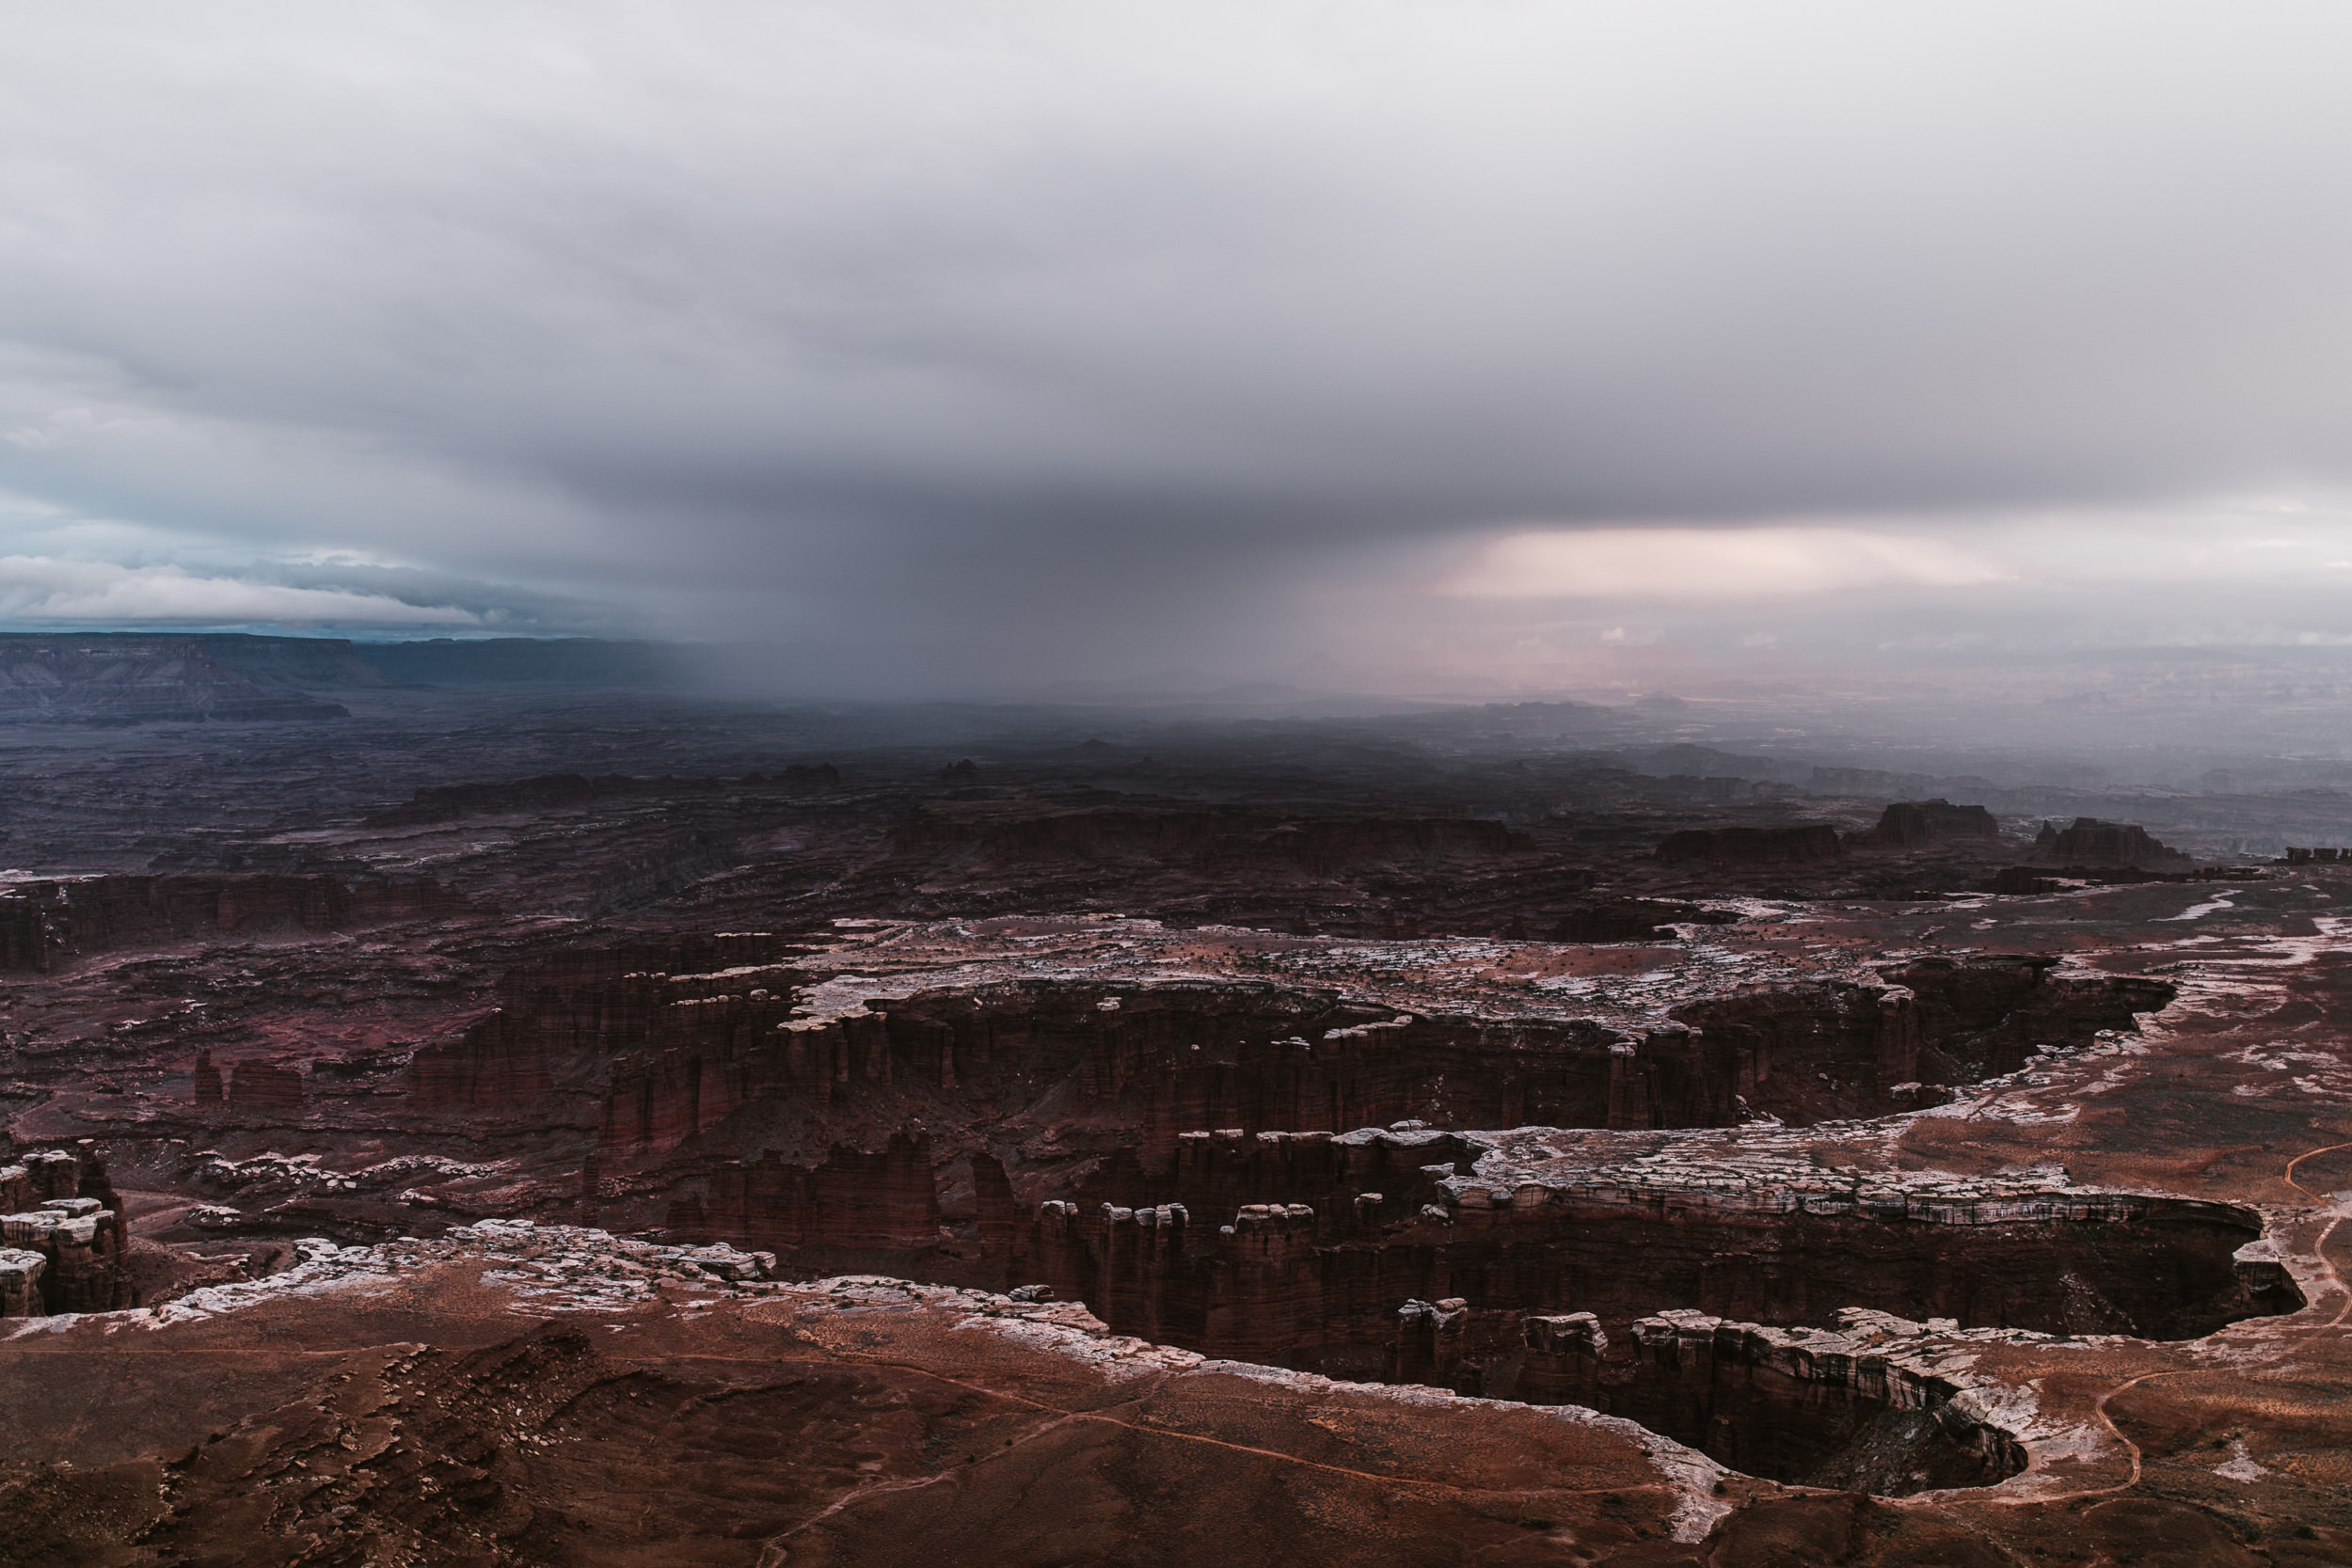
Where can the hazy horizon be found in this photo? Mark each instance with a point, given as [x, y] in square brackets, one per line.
[1639, 348]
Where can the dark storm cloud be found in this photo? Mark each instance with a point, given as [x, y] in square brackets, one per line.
[940, 336]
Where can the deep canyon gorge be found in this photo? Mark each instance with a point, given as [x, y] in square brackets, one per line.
[507, 1124]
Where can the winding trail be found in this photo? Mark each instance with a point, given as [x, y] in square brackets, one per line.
[2344, 1309]
[774, 1552]
[2319, 1245]
[1065, 1418]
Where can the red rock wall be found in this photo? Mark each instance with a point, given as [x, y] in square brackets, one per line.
[266, 1088]
[562, 1023]
[1249, 1057]
[1000, 1216]
[706, 1059]
[1450, 1345]
[1774, 1409]
[857, 1201]
[1155, 1063]
[1985, 1016]
[1168, 1060]
[1273, 1287]
[1357, 1183]
[1799, 1053]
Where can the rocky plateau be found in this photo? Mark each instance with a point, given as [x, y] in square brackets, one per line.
[515, 1120]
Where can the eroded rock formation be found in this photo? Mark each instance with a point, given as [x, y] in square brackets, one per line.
[1320, 1287]
[569, 1017]
[855, 1202]
[724, 1054]
[1877, 1404]
[1982, 1017]
[62, 1237]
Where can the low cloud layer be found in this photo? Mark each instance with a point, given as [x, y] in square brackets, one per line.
[940, 344]
[36, 591]
[1671, 565]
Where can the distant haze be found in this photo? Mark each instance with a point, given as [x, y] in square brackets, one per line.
[970, 349]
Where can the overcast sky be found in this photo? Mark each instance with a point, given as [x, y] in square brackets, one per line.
[949, 344]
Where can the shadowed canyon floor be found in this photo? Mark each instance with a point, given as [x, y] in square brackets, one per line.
[597, 1132]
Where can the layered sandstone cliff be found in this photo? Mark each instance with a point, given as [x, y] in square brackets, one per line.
[855, 1201]
[1879, 1402]
[564, 1022]
[1320, 1289]
[1148, 1063]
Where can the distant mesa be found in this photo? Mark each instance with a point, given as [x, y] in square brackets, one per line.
[1806, 842]
[1911, 824]
[154, 677]
[964, 773]
[2092, 843]
[138, 680]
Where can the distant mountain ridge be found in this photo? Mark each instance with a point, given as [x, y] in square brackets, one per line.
[148, 677]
